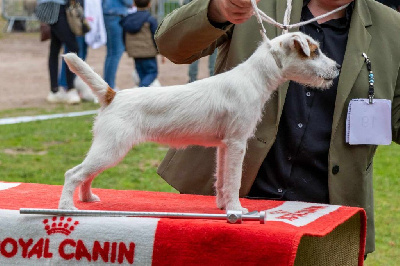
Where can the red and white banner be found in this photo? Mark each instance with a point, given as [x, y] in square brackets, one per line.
[71, 240]
[56, 240]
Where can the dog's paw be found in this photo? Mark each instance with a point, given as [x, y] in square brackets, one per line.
[245, 210]
[89, 198]
[220, 203]
[237, 208]
[65, 206]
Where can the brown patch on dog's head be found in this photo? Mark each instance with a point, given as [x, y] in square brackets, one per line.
[110, 94]
[299, 50]
[314, 50]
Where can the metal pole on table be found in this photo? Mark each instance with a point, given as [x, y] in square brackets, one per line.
[233, 217]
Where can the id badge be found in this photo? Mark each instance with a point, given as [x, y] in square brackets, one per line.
[369, 123]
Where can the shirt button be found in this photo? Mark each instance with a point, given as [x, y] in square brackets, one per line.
[308, 94]
[280, 190]
[300, 125]
[335, 169]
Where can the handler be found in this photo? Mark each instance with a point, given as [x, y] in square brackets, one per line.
[299, 151]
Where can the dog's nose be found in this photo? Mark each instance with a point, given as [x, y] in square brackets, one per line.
[338, 66]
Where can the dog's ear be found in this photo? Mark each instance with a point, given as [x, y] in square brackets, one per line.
[300, 44]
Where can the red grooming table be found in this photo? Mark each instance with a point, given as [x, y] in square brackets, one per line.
[296, 233]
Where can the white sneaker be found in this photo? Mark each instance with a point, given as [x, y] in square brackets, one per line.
[155, 83]
[73, 97]
[57, 97]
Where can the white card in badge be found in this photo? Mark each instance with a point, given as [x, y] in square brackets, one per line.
[369, 123]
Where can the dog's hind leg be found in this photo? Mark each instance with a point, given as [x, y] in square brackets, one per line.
[219, 176]
[79, 176]
[85, 191]
[235, 151]
[70, 184]
[101, 156]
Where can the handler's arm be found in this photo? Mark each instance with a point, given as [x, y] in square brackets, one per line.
[396, 112]
[187, 34]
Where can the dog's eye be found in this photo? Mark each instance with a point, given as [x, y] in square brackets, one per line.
[316, 52]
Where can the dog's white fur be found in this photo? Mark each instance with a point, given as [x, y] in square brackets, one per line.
[221, 111]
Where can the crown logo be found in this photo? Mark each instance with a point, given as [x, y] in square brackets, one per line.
[60, 225]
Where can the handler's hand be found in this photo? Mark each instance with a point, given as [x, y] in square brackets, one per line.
[234, 11]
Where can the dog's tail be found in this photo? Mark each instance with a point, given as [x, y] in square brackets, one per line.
[99, 87]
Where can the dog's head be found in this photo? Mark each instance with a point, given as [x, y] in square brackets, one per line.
[301, 60]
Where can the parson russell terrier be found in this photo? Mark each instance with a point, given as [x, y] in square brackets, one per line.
[221, 111]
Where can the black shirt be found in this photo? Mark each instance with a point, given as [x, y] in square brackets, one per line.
[296, 167]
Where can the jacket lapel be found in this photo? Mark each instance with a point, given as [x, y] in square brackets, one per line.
[358, 43]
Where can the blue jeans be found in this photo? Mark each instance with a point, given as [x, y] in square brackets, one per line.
[147, 70]
[62, 78]
[193, 67]
[115, 48]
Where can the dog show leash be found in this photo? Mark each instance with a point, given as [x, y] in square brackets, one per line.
[232, 217]
[285, 26]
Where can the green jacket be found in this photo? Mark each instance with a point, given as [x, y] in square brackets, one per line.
[186, 35]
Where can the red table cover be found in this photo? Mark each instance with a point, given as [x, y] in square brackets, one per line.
[41, 240]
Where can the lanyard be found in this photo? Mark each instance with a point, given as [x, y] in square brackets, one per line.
[371, 80]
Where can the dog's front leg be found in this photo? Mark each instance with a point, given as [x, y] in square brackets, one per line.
[219, 176]
[235, 151]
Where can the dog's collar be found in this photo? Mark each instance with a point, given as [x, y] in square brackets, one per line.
[277, 59]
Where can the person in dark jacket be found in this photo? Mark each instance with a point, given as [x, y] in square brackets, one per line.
[139, 29]
[114, 11]
[53, 12]
[345, 171]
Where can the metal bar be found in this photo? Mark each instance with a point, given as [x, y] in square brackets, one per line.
[121, 213]
[231, 216]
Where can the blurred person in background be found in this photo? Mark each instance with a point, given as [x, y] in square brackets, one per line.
[139, 29]
[52, 12]
[194, 67]
[114, 11]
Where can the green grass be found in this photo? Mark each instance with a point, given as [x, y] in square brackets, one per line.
[387, 206]
[48, 109]
[40, 152]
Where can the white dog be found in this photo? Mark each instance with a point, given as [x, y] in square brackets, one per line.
[221, 111]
